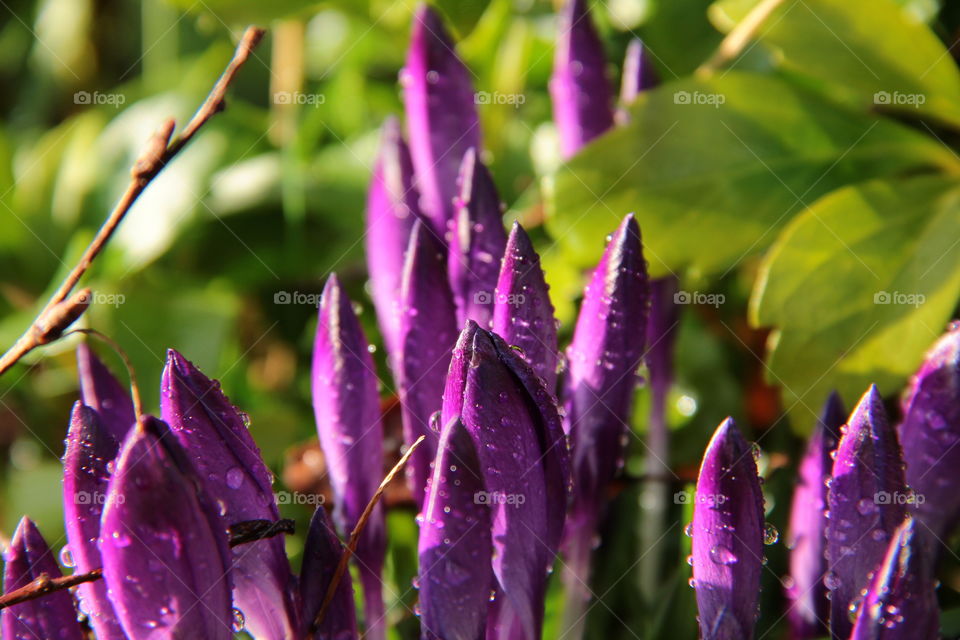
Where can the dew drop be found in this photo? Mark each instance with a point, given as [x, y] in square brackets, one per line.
[238, 620]
[234, 477]
[722, 555]
[66, 557]
[770, 534]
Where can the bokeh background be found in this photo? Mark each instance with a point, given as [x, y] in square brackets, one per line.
[268, 200]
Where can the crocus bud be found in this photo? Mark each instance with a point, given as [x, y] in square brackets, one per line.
[515, 428]
[455, 548]
[347, 410]
[214, 435]
[87, 463]
[166, 560]
[901, 602]
[522, 312]
[103, 393]
[321, 555]
[930, 434]
[477, 243]
[866, 499]
[579, 88]
[392, 208]
[728, 534]
[809, 607]
[442, 120]
[638, 72]
[26, 559]
[428, 332]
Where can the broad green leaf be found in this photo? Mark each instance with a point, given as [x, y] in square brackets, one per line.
[678, 35]
[712, 182]
[878, 52]
[858, 287]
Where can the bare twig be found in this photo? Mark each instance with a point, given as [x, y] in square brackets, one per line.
[735, 41]
[240, 533]
[355, 534]
[59, 313]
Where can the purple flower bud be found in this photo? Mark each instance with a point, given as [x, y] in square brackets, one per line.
[347, 410]
[901, 602]
[606, 350]
[90, 453]
[27, 558]
[442, 120]
[100, 391]
[930, 433]
[477, 244]
[392, 208]
[866, 499]
[455, 546]
[515, 427]
[321, 554]
[728, 533]
[809, 606]
[522, 312]
[579, 88]
[638, 72]
[428, 332]
[166, 560]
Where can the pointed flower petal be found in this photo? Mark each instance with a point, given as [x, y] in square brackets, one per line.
[166, 561]
[441, 110]
[638, 72]
[428, 332]
[809, 607]
[930, 434]
[522, 312]
[579, 88]
[392, 208]
[103, 393]
[347, 411]
[321, 554]
[27, 558]
[866, 497]
[728, 533]
[89, 457]
[455, 546]
[477, 244]
[901, 602]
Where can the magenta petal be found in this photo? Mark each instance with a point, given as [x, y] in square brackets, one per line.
[477, 243]
[638, 72]
[930, 434]
[428, 333]
[347, 410]
[442, 120]
[26, 559]
[901, 602]
[215, 436]
[867, 498]
[579, 88]
[166, 560]
[522, 312]
[90, 452]
[103, 393]
[392, 208]
[809, 607]
[321, 554]
[455, 546]
[728, 533]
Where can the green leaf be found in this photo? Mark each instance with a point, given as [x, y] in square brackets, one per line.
[710, 183]
[877, 52]
[858, 287]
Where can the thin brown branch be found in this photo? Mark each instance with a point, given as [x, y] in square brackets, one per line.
[355, 534]
[54, 318]
[240, 533]
[738, 38]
